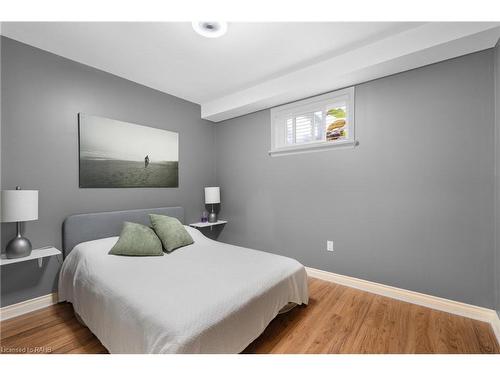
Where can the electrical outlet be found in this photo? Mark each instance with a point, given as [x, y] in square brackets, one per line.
[329, 245]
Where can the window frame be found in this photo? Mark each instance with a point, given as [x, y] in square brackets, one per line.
[279, 116]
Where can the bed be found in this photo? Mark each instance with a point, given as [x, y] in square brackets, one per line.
[208, 297]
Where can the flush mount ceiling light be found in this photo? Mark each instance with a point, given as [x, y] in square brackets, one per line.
[210, 29]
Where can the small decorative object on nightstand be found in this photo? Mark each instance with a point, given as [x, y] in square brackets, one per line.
[17, 206]
[212, 196]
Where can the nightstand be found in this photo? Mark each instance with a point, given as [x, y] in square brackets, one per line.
[207, 224]
[38, 254]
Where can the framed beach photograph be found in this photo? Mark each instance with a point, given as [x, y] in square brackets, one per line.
[118, 154]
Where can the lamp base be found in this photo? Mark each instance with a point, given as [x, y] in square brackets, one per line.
[18, 247]
[212, 217]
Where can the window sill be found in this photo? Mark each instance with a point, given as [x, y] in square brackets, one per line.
[312, 148]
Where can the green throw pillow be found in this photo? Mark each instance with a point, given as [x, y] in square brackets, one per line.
[137, 240]
[171, 232]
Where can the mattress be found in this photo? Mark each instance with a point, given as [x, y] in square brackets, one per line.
[208, 297]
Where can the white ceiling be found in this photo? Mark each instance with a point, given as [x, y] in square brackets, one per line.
[253, 66]
[172, 58]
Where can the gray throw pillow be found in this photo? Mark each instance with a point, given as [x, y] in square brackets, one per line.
[137, 240]
[171, 232]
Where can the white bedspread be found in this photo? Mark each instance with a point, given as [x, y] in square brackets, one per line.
[208, 297]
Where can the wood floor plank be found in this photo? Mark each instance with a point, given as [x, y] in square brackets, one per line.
[338, 319]
[423, 340]
[366, 337]
[400, 333]
[83, 340]
[352, 312]
[485, 337]
[35, 319]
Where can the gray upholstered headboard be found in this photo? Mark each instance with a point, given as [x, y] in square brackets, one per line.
[88, 227]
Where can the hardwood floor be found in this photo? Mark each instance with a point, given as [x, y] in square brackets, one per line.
[338, 320]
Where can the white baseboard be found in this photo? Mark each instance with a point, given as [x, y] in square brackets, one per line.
[495, 325]
[25, 307]
[437, 303]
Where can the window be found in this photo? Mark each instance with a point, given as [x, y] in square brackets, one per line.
[313, 124]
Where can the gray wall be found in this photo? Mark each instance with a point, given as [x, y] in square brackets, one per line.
[410, 207]
[497, 174]
[41, 96]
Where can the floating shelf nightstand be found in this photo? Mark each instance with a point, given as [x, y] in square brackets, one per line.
[37, 254]
[207, 224]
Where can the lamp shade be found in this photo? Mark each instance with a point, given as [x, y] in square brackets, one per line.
[212, 195]
[19, 205]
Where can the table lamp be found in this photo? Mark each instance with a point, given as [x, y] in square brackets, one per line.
[212, 196]
[17, 206]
